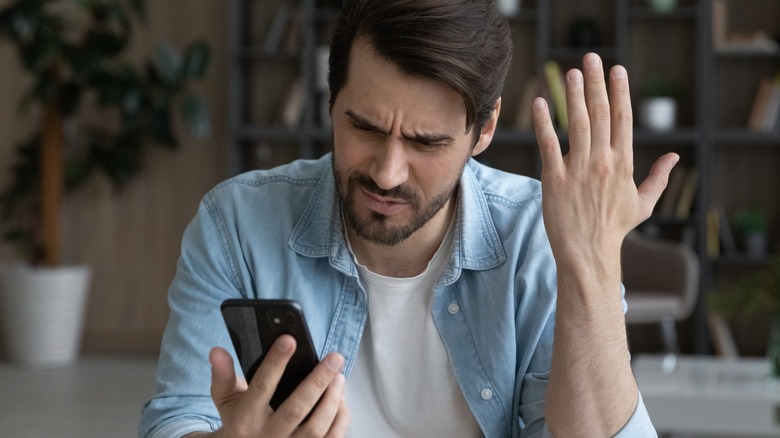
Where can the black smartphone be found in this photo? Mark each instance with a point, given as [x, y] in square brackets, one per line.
[254, 325]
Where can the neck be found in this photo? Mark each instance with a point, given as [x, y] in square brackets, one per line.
[410, 257]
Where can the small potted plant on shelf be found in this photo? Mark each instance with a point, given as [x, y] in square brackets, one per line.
[74, 53]
[658, 108]
[751, 224]
[755, 294]
[663, 6]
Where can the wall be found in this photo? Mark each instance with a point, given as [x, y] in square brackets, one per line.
[131, 238]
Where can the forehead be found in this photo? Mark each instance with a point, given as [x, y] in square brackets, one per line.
[376, 87]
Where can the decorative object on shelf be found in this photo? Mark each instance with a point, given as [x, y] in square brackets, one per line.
[584, 33]
[755, 294]
[75, 54]
[658, 108]
[751, 225]
[663, 6]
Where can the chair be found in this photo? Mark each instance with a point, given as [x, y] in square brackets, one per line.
[661, 278]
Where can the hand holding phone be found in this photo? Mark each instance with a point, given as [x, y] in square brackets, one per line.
[317, 405]
[254, 325]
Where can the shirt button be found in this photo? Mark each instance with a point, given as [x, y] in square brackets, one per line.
[486, 394]
[453, 308]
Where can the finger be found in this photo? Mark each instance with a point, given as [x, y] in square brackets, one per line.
[225, 385]
[301, 402]
[321, 420]
[340, 425]
[651, 188]
[579, 121]
[269, 373]
[622, 118]
[549, 148]
[597, 102]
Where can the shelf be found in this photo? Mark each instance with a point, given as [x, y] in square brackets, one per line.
[277, 133]
[669, 221]
[326, 15]
[649, 138]
[744, 136]
[282, 133]
[257, 53]
[505, 136]
[576, 53]
[680, 13]
[742, 54]
[525, 15]
[742, 260]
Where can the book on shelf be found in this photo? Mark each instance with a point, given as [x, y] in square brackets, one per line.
[719, 23]
[728, 244]
[292, 106]
[771, 122]
[687, 195]
[556, 85]
[725, 41]
[286, 30]
[674, 187]
[722, 337]
[712, 241]
[524, 118]
[294, 33]
[765, 112]
[273, 38]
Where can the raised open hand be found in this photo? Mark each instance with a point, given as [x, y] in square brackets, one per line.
[590, 200]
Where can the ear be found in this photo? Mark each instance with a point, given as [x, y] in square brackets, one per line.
[488, 129]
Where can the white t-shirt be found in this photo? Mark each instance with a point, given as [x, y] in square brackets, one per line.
[402, 384]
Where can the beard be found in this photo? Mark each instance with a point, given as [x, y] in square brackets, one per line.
[373, 227]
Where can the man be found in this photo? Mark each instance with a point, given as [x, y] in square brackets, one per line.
[437, 300]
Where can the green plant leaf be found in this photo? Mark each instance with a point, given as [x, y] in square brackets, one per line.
[101, 44]
[139, 6]
[168, 63]
[196, 115]
[196, 60]
[67, 64]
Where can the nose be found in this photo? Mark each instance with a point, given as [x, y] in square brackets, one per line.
[390, 167]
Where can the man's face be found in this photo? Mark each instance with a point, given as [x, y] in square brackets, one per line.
[400, 144]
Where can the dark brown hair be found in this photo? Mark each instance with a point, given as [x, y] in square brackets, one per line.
[465, 44]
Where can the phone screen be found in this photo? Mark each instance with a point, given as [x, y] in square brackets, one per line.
[254, 325]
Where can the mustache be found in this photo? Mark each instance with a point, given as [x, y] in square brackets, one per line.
[398, 192]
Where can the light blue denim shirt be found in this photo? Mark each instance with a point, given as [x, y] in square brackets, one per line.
[278, 233]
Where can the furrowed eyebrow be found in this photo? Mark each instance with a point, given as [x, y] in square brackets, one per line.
[363, 123]
[421, 138]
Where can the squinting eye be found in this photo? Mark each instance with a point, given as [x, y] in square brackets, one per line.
[359, 127]
[430, 145]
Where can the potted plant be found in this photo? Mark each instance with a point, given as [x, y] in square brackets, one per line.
[755, 294]
[658, 108]
[751, 224]
[74, 52]
[663, 6]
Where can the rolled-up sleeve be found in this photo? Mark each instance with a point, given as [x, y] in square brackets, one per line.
[638, 426]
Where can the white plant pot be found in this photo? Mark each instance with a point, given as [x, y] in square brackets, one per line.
[42, 313]
[658, 114]
[509, 8]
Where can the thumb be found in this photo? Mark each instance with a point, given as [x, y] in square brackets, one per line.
[651, 188]
[225, 385]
